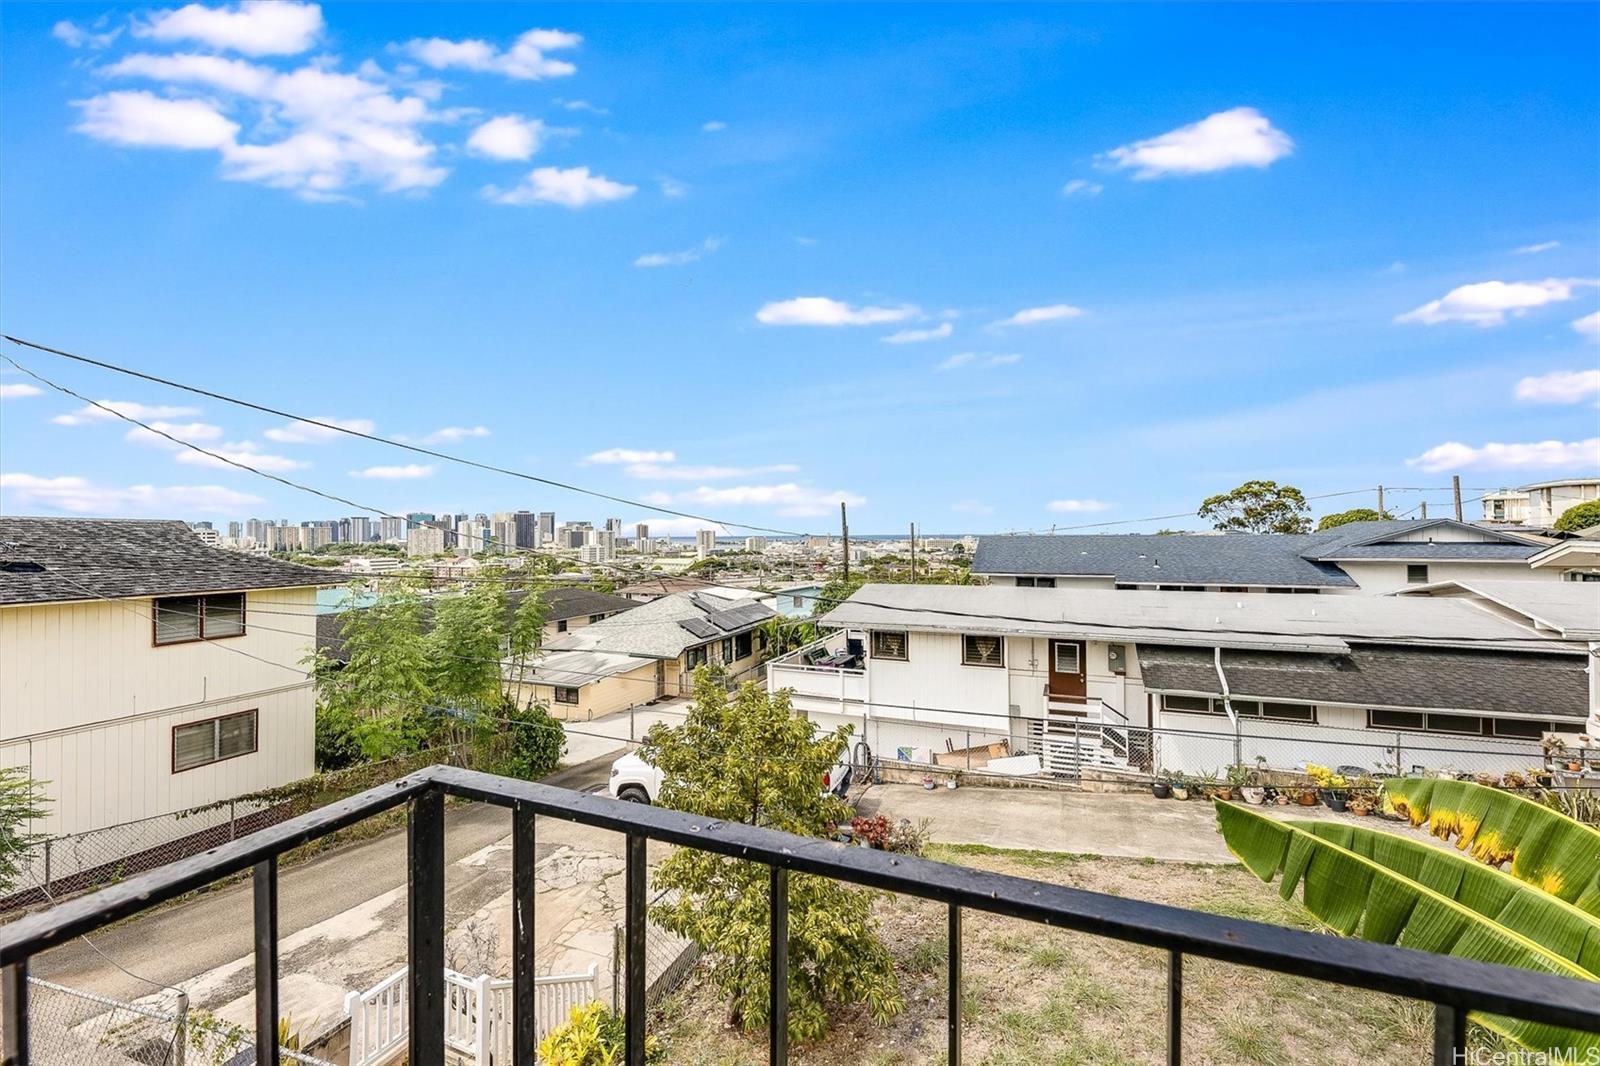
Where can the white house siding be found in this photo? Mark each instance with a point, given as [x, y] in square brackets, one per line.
[1378, 578]
[88, 704]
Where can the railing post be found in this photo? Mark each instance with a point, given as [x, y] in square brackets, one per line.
[264, 886]
[778, 968]
[1449, 1035]
[953, 997]
[47, 844]
[1399, 758]
[358, 1027]
[425, 928]
[524, 1021]
[14, 1049]
[484, 1020]
[634, 943]
[180, 1031]
[1174, 1008]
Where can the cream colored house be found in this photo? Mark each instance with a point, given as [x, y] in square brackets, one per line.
[133, 679]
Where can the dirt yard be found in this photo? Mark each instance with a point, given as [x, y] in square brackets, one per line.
[1043, 997]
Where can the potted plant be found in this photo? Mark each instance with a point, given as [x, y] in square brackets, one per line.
[1161, 788]
[1281, 797]
[1361, 805]
[1513, 781]
[1207, 785]
[1555, 750]
[1180, 787]
[1238, 778]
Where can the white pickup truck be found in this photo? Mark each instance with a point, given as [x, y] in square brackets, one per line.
[636, 781]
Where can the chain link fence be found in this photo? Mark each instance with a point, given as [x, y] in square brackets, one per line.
[669, 959]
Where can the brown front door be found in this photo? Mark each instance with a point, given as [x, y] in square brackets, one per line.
[1067, 682]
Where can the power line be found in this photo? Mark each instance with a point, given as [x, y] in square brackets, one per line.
[334, 427]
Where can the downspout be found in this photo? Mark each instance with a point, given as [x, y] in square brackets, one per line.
[1227, 703]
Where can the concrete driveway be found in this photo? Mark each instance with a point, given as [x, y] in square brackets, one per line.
[1132, 825]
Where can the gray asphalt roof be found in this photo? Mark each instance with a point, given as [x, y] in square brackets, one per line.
[1444, 679]
[1571, 608]
[1271, 559]
[100, 558]
[664, 628]
[1254, 620]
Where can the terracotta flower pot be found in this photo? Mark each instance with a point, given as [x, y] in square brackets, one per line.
[1307, 799]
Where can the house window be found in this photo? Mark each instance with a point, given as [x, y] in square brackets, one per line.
[889, 644]
[1463, 724]
[1068, 661]
[1520, 727]
[1232, 588]
[561, 625]
[743, 645]
[182, 619]
[1036, 582]
[564, 694]
[213, 740]
[727, 650]
[1187, 704]
[595, 618]
[1289, 712]
[1416, 573]
[1396, 720]
[695, 657]
[1455, 723]
[982, 650]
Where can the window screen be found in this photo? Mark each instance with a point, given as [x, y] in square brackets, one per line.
[742, 646]
[566, 695]
[1289, 712]
[200, 743]
[1417, 573]
[1068, 659]
[177, 619]
[1395, 720]
[982, 650]
[889, 644]
[222, 616]
[1190, 704]
[1521, 727]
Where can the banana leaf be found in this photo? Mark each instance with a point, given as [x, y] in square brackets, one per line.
[1548, 850]
[1356, 895]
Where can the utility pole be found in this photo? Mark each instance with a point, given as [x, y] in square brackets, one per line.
[844, 530]
[1424, 510]
[913, 552]
[1380, 501]
[1455, 488]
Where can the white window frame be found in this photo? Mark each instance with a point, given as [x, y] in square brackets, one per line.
[1077, 657]
[905, 645]
[966, 660]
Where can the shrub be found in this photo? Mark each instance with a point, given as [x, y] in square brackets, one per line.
[338, 740]
[591, 1036]
[535, 743]
[1579, 516]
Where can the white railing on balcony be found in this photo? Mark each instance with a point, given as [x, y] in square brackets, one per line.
[477, 1020]
[795, 671]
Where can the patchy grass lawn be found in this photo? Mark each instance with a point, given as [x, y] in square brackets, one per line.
[1044, 997]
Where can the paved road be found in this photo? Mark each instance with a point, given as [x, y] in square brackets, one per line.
[175, 943]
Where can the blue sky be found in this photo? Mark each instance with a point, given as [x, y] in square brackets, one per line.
[979, 268]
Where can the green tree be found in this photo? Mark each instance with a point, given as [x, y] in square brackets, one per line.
[1259, 507]
[531, 740]
[526, 633]
[465, 646]
[749, 758]
[1355, 514]
[1579, 516]
[379, 692]
[21, 801]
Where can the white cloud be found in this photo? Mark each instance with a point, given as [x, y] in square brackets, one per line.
[714, 126]
[583, 105]
[789, 499]
[1489, 303]
[143, 120]
[974, 507]
[1240, 137]
[78, 495]
[307, 433]
[247, 452]
[1033, 316]
[688, 255]
[672, 188]
[1453, 455]
[1535, 249]
[1560, 386]
[914, 336]
[1588, 325]
[17, 390]
[144, 412]
[507, 137]
[335, 129]
[264, 28]
[74, 36]
[525, 60]
[1396, 267]
[660, 472]
[453, 434]
[629, 455]
[1083, 188]
[190, 431]
[979, 360]
[408, 472]
[573, 187]
[1078, 506]
[822, 311]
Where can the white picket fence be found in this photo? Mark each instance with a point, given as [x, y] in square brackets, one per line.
[477, 1020]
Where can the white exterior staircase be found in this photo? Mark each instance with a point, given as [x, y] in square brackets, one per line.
[1074, 737]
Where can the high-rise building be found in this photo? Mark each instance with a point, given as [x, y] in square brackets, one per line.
[418, 518]
[525, 530]
[705, 542]
[606, 541]
[360, 529]
[641, 532]
[641, 540]
[392, 530]
[425, 540]
[614, 525]
[235, 531]
[573, 536]
[547, 527]
[755, 544]
[471, 536]
[208, 536]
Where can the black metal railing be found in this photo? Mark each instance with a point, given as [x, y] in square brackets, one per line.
[1454, 986]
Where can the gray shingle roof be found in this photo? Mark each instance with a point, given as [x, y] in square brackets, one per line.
[1504, 682]
[1271, 559]
[1174, 559]
[664, 628]
[99, 558]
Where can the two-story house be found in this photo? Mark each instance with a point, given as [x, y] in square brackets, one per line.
[134, 680]
[1359, 557]
[1142, 681]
